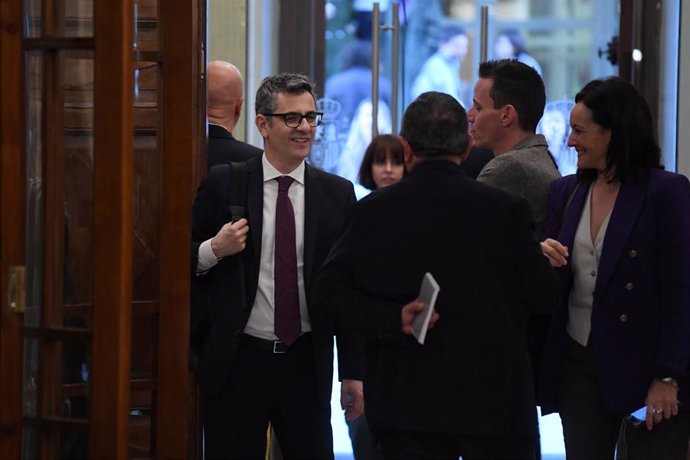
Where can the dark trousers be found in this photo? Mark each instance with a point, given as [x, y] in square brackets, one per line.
[590, 432]
[408, 445]
[266, 387]
[365, 446]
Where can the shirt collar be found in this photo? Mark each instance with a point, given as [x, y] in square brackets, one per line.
[271, 173]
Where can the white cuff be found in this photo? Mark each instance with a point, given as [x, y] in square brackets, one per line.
[206, 258]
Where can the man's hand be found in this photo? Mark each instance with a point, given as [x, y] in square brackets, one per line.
[352, 398]
[410, 311]
[555, 252]
[231, 239]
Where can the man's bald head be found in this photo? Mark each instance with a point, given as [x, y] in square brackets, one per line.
[224, 87]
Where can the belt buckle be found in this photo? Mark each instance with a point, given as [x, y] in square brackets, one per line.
[279, 347]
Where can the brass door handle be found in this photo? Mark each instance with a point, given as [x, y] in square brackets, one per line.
[16, 295]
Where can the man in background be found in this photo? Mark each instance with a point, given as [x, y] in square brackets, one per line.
[441, 71]
[508, 103]
[224, 106]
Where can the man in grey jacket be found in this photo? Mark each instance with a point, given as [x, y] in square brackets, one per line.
[508, 102]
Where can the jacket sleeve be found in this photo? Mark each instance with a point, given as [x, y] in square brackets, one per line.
[672, 208]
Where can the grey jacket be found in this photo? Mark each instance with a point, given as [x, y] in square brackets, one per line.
[527, 170]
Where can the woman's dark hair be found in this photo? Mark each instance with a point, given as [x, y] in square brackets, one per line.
[618, 107]
[381, 147]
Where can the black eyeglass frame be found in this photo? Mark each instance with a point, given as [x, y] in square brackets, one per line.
[318, 118]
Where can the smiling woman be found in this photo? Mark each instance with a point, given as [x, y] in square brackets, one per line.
[617, 231]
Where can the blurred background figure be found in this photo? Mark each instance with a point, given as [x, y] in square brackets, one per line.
[510, 44]
[555, 127]
[352, 84]
[441, 72]
[360, 136]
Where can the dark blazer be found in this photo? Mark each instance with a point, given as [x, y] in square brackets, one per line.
[327, 198]
[223, 148]
[641, 311]
[472, 375]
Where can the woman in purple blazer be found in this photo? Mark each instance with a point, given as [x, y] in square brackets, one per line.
[619, 233]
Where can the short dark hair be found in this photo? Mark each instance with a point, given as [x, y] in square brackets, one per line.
[519, 85]
[290, 83]
[435, 125]
[618, 107]
[381, 146]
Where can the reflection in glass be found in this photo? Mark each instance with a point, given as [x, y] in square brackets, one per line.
[77, 18]
[33, 19]
[34, 192]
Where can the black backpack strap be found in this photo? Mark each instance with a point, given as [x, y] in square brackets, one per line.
[238, 190]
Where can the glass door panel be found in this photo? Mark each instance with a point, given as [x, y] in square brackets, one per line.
[566, 41]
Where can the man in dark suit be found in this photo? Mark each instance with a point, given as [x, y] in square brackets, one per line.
[224, 106]
[268, 354]
[468, 390]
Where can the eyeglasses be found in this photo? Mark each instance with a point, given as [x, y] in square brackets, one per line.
[294, 119]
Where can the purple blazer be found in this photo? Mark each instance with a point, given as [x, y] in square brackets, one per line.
[641, 312]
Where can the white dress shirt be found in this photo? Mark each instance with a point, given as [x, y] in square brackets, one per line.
[261, 319]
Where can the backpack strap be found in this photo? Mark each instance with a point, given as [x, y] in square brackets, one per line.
[238, 190]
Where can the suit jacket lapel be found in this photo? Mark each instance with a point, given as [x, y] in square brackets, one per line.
[625, 211]
[312, 198]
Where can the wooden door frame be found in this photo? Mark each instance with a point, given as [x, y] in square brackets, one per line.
[113, 182]
[12, 209]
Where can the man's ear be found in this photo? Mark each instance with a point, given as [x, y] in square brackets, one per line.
[470, 144]
[238, 107]
[509, 115]
[262, 125]
[408, 154]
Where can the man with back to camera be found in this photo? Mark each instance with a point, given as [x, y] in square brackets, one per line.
[270, 357]
[508, 103]
[468, 390]
[224, 106]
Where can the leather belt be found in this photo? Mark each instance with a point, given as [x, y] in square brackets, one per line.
[273, 346]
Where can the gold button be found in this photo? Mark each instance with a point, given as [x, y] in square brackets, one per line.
[629, 286]
[623, 318]
[632, 253]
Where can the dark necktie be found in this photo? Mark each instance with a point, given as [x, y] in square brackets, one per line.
[287, 319]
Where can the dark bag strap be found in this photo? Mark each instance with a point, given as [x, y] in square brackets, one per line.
[238, 209]
[238, 190]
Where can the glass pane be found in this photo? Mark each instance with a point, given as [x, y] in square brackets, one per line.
[34, 192]
[78, 93]
[146, 25]
[562, 39]
[147, 169]
[33, 18]
[77, 20]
